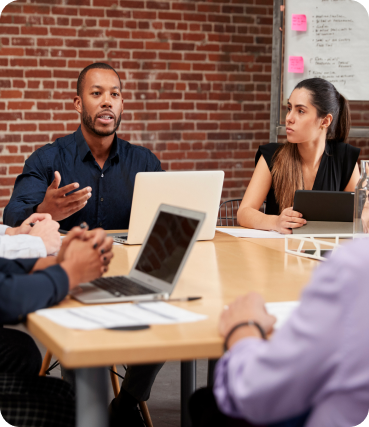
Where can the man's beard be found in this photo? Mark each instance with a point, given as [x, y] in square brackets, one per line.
[90, 124]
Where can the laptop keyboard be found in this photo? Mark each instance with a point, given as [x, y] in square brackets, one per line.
[121, 286]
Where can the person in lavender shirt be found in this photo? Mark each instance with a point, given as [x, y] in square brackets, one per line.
[313, 372]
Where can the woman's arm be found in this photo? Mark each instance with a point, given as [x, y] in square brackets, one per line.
[353, 180]
[248, 214]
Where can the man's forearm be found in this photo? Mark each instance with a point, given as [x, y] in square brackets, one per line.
[43, 263]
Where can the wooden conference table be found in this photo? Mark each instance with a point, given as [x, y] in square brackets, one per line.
[219, 271]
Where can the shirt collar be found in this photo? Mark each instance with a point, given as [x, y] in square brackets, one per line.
[84, 149]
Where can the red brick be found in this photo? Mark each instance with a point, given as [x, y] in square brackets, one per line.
[63, 53]
[114, 13]
[12, 8]
[64, 32]
[91, 12]
[90, 33]
[183, 46]
[10, 94]
[118, 34]
[36, 138]
[40, 10]
[5, 83]
[34, 31]
[105, 3]
[19, 84]
[22, 41]
[79, 43]
[51, 127]
[37, 116]
[182, 165]
[11, 159]
[23, 127]
[8, 30]
[182, 105]
[49, 105]
[10, 116]
[38, 73]
[10, 138]
[157, 105]
[66, 74]
[62, 21]
[131, 4]
[91, 54]
[11, 51]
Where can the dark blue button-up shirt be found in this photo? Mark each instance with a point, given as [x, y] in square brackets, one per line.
[112, 187]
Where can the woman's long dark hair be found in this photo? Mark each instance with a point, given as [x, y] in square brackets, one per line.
[287, 170]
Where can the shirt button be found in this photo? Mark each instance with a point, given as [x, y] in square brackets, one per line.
[102, 199]
[100, 224]
[102, 175]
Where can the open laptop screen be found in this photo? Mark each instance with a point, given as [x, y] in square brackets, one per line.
[165, 248]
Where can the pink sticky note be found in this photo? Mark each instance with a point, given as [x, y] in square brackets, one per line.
[299, 22]
[295, 64]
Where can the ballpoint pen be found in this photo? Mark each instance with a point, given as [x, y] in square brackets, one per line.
[184, 299]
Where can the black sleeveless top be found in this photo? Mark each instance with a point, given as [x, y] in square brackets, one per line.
[334, 172]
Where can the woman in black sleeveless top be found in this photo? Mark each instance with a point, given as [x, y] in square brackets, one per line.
[315, 157]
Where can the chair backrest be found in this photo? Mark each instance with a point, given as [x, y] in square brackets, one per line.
[227, 214]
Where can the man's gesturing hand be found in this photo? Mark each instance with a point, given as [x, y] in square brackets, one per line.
[58, 204]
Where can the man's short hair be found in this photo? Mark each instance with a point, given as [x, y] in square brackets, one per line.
[96, 65]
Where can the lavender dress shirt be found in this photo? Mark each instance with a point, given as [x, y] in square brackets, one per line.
[318, 360]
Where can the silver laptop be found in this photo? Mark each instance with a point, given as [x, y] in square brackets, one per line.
[200, 191]
[158, 265]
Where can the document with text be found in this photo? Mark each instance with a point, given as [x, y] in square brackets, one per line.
[120, 315]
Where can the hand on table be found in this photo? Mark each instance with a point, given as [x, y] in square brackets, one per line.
[289, 219]
[60, 205]
[44, 227]
[25, 227]
[244, 308]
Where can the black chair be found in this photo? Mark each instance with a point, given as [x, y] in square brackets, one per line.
[228, 212]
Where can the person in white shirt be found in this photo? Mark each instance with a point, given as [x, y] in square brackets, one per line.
[30, 241]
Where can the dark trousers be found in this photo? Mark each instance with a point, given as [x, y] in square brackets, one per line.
[25, 398]
[204, 412]
[18, 353]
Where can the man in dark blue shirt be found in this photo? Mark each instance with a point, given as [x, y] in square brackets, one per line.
[89, 176]
[93, 159]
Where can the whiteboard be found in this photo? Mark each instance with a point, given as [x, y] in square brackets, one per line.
[335, 46]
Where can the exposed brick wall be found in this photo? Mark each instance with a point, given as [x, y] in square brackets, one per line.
[196, 78]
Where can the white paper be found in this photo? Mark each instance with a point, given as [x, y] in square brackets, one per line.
[281, 310]
[118, 315]
[250, 232]
[335, 46]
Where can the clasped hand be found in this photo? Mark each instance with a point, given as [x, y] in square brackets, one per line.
[85, 255]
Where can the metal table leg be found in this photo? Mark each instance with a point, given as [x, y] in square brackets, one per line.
[188, 386]
[92, 397]
[211, 370]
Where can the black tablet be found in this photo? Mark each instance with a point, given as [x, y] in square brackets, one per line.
[337, 206]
